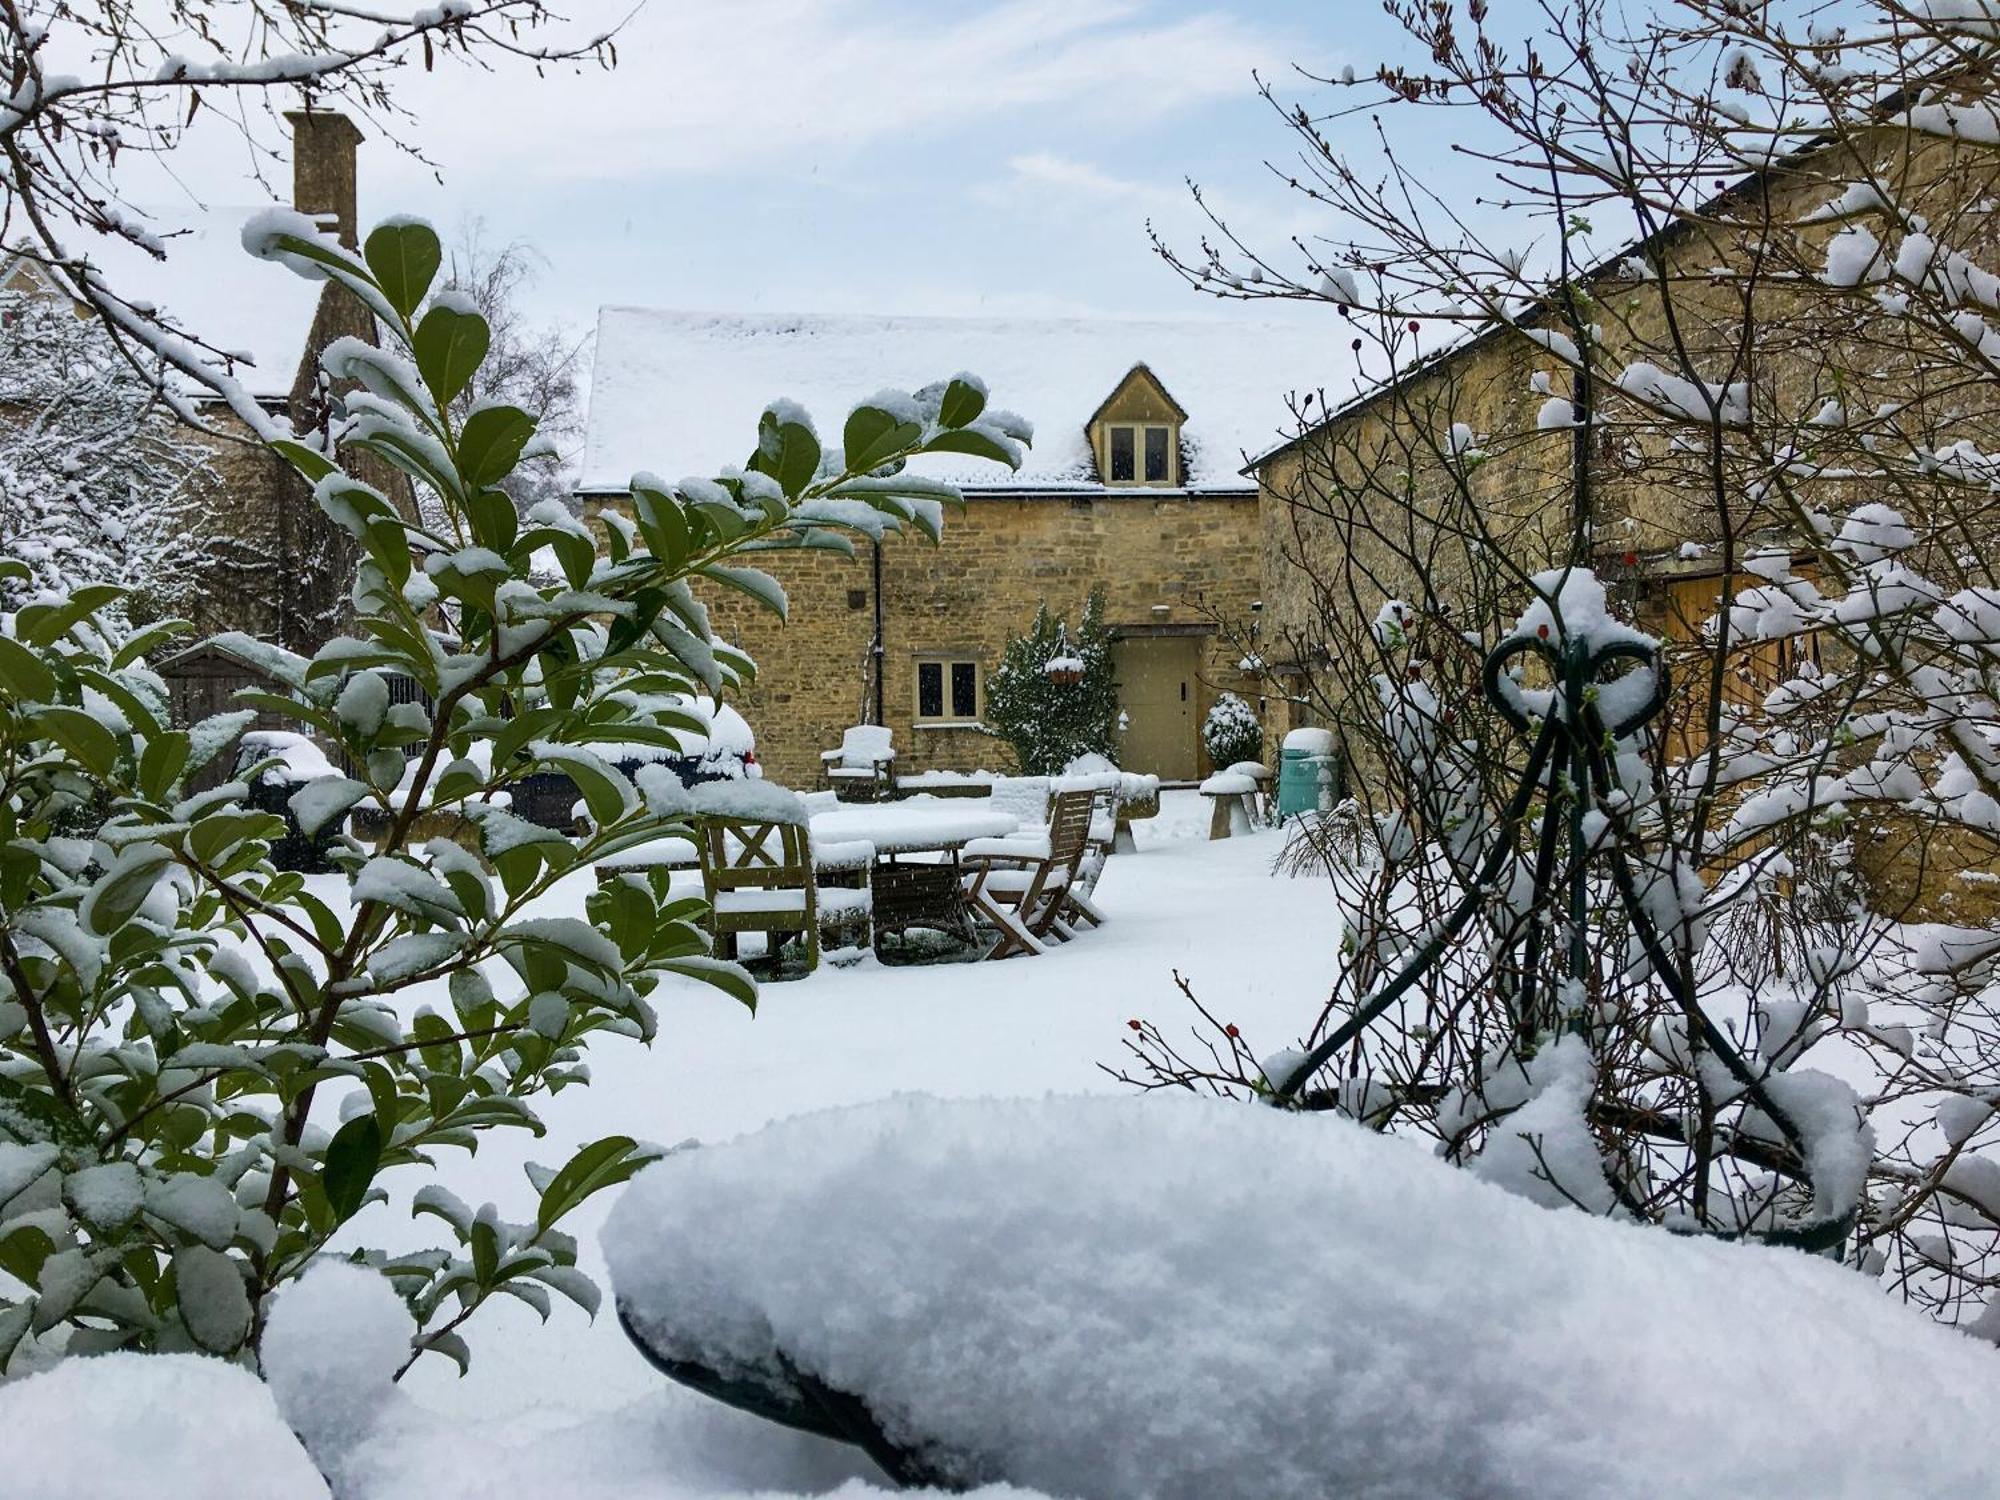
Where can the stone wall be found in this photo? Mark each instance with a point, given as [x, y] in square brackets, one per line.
[1166, 563]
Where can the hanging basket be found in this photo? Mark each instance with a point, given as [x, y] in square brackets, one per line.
[1064, 671]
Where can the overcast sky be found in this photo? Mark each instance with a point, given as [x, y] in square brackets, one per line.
[914, 156]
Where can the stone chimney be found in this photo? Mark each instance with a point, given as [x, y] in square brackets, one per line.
[323, 143]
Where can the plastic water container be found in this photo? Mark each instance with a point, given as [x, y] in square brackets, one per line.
[1305, 752]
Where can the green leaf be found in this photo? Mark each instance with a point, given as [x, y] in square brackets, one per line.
[310, 462]
[963, 402]
[450, 346]
[788, 452]
[160, 764]
[972, 440]
[352, 1159]
[405, 257]
[112, 902]
[22, 675]
[494, 519]
[45, 624]
[490, 444]
[873, 436]
[88, 742]
[140, 642]
[730, 978]
[598, 1165]
[214, 1306]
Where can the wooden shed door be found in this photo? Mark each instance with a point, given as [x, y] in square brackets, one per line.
[1157, 690]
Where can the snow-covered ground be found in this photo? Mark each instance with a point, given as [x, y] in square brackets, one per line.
[1259, 948]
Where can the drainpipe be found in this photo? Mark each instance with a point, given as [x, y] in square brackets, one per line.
[878, 650]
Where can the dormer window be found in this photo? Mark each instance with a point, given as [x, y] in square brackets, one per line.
[1142, 455]
[1137, 433]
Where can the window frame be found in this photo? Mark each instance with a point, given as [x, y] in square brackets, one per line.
[1140, 431]
[944, 661]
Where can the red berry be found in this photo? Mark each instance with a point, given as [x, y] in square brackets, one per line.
[1631, 559]
[1230, 1031]
[1356, 345]
[1133, 1024]
[1415, 325]
[1542, 631]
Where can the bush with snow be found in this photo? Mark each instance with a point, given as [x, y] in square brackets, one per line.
[1231, 733]
[1187, 1298]
[1769, 915]
[206, 1067]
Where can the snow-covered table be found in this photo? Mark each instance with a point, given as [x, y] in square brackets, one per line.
[916, 825]
[915, 892]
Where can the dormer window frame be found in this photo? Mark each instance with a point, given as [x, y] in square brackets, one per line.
[1144, 451]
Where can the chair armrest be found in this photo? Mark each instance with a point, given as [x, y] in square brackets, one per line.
[830, 755]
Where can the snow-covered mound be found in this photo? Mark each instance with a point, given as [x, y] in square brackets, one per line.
[149, 1427]
[1132, 1297]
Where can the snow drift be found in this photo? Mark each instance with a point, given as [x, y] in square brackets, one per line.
[150, 1427]
[1147, 1297]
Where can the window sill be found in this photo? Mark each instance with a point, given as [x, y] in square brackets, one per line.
[949, 724]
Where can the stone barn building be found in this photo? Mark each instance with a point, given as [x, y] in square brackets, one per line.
[1135, 482]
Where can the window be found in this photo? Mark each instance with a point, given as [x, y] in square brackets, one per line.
[1122, 471]
[1140, 455]
[947, 691]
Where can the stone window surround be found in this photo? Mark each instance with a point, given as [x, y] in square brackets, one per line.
[947, 717]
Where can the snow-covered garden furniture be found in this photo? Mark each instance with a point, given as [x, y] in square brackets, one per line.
[1018, 884]
[863, 768]
[844, 890]
[757, 874]
[916, 878]
[1233, 795]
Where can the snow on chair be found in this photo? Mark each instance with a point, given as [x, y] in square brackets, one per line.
[1019, 883]
[861, 770]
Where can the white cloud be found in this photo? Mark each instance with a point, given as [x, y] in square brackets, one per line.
[1045, 171]
[777, 84]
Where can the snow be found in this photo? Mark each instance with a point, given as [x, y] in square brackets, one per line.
[914, 823]
[752, 801]
[1016, 1280]
[208, 287]
[150, 1427]
[682, 391]
[1311, 741]
[300, 761]
[330, 1352]
[1229, 784]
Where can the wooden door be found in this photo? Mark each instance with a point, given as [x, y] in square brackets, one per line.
[1157, 689]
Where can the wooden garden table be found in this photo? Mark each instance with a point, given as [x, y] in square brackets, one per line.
[917, 842]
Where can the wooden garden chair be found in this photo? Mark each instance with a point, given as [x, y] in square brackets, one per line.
[1077, 904]
[862, 769]
[1018, 884]
[758, 877]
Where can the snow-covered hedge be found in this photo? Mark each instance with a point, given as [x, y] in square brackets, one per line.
[1124, 1297]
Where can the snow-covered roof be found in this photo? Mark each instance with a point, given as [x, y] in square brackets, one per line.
[680, 392]
[209, 286]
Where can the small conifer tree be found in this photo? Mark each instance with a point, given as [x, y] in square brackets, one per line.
[1047, 718]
